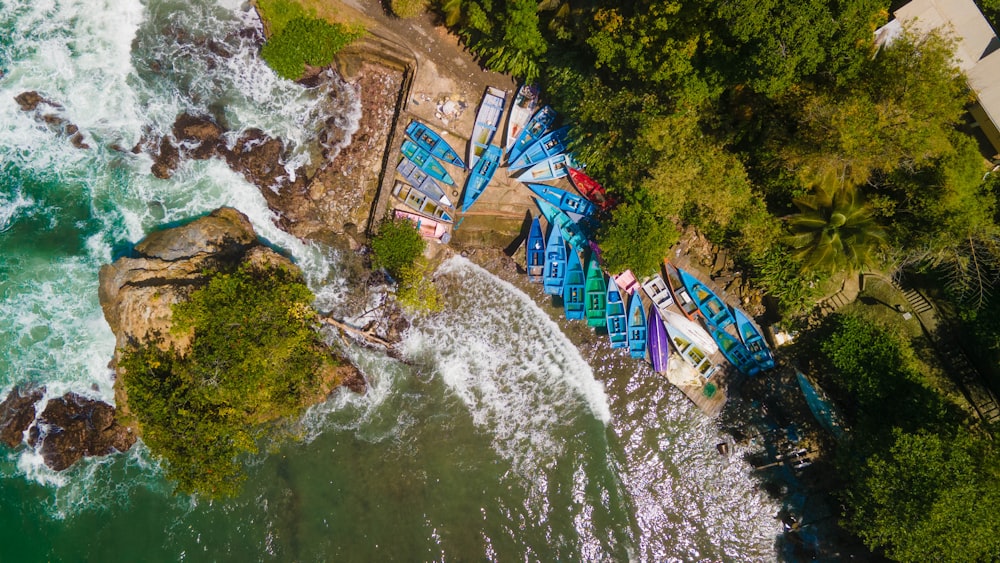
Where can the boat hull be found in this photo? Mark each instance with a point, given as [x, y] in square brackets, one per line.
[549, 145]
[429, 228]
[596, 295]
[753, 340]
[657, 341]
[534, 254]
[693, 354]
[422, 181]
[487, 120]
[617, 319]
[546, 170]
[570, 230]
[524, 106]
[480, 176]
[425, 161]
[682, 298]
[420, 202]
[555, 262]
[636, 327]
[658, 292]
[734, 351]
[709, 304]
[564, 200]
[429, 140]
[574, 302]
[590, 189]
[532, 132]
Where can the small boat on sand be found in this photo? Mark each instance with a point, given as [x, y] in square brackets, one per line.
[626, 282]
[733, 350]
[616, 317]
[422, 181]
[657, 340]
[714, 310]
[564, 200]
[685, 303]
[549, 145]
[428, 139]
[693, 354]
[570, 230]
[693, 329]
[821, 405]
[574, 303]
[753, 340]
[420, 202]
[590, 189]
[533, 131]
[596, 294]
[555, 262]
[658, 292]
[480, 176]
[636, 327]
[487, 120]
[524, 106]
[425, 161]
[428, 228]
[549, 169]
[535, 252]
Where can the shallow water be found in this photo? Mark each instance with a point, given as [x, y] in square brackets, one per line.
[496, 440]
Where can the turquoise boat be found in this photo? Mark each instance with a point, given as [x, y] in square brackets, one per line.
[712, 308]
[733, 350]
[564, 200]
[574, 290]
[821, 406]
[428, 139]
[597, 295]
[534, 253]
[547, 146]
[425, 161]
[479, 178]
[555, 262]
[636, 327]
[753, 340]
[487, 120]
[420, 202]
[549, 169]
[616, 318]
[570, 230]
[422, 181]
[533, 131]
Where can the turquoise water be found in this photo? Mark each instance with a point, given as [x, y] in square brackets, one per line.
[494, 440]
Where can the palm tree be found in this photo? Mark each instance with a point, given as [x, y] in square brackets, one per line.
[834, 231]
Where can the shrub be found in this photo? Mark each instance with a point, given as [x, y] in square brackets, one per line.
[255, 357]
[298, 38]
[408, 8]
[397, 246]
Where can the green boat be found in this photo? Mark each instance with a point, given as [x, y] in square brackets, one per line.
[596, 295]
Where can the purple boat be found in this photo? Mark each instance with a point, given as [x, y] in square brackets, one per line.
[657, 341]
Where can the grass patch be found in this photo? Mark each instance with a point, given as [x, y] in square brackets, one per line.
[298, 37]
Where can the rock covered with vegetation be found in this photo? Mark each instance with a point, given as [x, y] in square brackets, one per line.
[216, 342]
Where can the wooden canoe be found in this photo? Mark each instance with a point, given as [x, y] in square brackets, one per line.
[555, 262]
[636, 327]
[524, 106]
[692, 353]
[420, 202]
[428, 228]
[486, 166]
[590, 189]
[425, 161]
[420, 180]
[564, 200]
[596, 294]
[535, 252]
[753, 340]
[657, 341]
[570, 230]
[533, 131]
[617, 320]
[551, 144]
[574, 290]
[658, 292]
[734, 350]
[684, 301]
[713, 308]
[428, 139]
[546, 170]
[487, 120]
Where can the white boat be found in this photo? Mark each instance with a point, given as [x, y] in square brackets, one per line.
[697, 334]
[658, 292]
[487, 120]
[525, 105]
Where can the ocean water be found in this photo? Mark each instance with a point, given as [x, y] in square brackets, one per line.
[495, 439]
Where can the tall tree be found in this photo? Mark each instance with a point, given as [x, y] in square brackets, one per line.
[834, 231]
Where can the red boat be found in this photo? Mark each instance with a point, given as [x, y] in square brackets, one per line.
[590, 189]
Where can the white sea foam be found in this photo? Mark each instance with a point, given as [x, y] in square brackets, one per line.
[510, 364]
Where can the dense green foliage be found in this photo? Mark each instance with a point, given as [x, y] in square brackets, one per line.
[255, 356]
[721, 114]
[297, 38]
[834, 231]
[408, 8]
[396, 246]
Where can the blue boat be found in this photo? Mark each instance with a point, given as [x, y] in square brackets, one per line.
[533, 131]
[549, 169]
[479, 178]
[712, 308]
[487, 120]
[428, 139]
[574, 302]
[564, 200]
[733, 350]
[524, 106]
[617, 319]
[425, 161]
[547, 146]
[636, 327]
[753, 340]
[555, 262]
[535, 252]
[657, 341]
[570, 230]
[420, 202]
[422, 181]
[821, 406]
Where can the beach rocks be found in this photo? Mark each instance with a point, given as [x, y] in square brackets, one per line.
[47, 111]
[17, 413]
[72, 427]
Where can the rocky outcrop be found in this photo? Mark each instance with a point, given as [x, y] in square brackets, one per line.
[72, 427]
[47, 111]
[137, 293]
[17, 412]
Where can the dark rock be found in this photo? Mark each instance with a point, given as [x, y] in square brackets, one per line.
[200, 136]
[166, 161]
[259, 158]
[74, 426]
[29, 101]
[17, 412]
[78, 142]
[72, 129]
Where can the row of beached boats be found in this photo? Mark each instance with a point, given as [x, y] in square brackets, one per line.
[705, 324]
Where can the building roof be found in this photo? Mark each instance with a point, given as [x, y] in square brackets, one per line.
[977, 48]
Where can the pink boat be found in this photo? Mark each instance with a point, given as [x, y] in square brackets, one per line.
[626, 282]
[429, 228]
